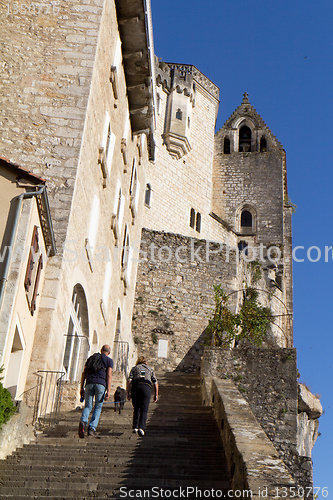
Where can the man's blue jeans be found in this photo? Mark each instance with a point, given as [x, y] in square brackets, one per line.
[98, 391]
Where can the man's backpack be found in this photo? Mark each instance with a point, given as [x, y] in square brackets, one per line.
[95, 364]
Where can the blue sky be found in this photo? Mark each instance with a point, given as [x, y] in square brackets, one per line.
[281, 53]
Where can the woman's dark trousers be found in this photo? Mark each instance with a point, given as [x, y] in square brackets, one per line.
[140, 399]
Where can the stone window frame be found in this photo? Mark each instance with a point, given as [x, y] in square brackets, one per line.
[34, 249]
[126, 259]
[241, 122]
[114, 72]
[77, 332]
[118, 212]
[246, 230]
[106, 149]
[134, 191]
[124, 142]
[33, 272]
[195, 220]
[117, 339]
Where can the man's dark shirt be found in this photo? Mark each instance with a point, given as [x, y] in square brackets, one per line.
[100, 376]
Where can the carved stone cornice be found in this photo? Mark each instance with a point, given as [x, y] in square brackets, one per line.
[164, 72]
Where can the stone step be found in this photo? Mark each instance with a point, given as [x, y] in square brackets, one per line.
[181, 448]
[115, 476]
[100, 490]
[119, 471]
[180, 462]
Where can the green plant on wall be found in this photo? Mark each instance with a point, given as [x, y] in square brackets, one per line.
[251, 323]
[7, 407]
[222, 327]
[288, 203]
[255, 268]
[154, 338]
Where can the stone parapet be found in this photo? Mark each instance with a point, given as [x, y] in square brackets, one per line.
[266, 379]
[253, 461]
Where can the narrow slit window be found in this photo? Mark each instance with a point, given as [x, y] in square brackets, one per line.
[148, 195]
[179, 114]
[198, 223]
[263, 144]
[226, 146]
[192, 218]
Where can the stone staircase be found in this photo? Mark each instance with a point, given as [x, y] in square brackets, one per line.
[181, 450]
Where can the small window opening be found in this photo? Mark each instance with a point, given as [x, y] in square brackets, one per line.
[192, 218]
[263, 144]
[189, 122]
[198, 223]
[245, 139]
[242, 246]
[246, 219]
[158, 103]
[148, 195]
[226, 146]
[179, 114]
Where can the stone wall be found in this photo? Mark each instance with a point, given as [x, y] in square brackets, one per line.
[267, 379]
[174, 298]
[254, 178]
[17, 431]
[253, 462]
[55, 95]
[181, 184]
[48, 54]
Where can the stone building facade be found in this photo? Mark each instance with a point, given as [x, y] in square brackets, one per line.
[77, 108]
[149, 207]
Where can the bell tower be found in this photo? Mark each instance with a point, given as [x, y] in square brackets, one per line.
[250, 190]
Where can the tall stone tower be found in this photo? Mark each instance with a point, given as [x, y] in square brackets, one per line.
[250, 193]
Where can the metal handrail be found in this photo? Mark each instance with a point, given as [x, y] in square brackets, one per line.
[124, 364]
[48, 397]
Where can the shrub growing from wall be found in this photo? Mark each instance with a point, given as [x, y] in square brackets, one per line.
[7, 407]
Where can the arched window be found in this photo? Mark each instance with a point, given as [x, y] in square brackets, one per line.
[245, 136]
[263, 144]
[120, 349]
[226, 146]
[148, 195]
[77, 343]
[192, 218]
[246, 219]
[198, 223]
